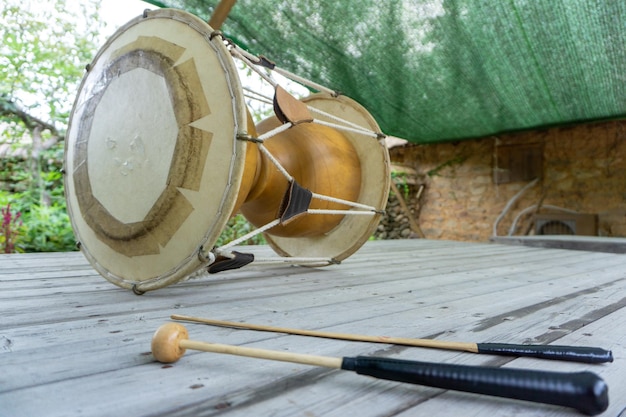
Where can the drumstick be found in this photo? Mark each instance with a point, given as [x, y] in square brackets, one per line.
[584, 391]
[565, 353]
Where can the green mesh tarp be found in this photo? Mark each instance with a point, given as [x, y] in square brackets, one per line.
[441, 70]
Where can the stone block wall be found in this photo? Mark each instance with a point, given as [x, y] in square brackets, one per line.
[396, 223]
[581, 169]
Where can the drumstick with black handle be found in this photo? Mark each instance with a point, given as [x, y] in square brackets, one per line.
[582, 354]
[584, 391]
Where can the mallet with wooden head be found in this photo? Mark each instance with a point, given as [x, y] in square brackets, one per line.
[584, 391]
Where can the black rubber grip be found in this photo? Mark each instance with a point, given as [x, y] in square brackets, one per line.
[563, 353]
[584, 391]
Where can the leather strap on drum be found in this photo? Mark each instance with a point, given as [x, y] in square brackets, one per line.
[223, 263]
[296, 201]
[288, 109]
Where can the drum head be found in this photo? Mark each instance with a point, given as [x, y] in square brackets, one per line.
[353, 231]
[153, 164]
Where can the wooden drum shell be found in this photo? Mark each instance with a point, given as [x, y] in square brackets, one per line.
[320, 159]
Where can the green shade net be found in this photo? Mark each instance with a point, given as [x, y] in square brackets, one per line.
[433, 71]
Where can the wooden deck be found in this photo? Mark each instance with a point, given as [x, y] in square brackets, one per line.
[72, 344]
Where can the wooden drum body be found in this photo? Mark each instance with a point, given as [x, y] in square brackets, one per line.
[160, 153]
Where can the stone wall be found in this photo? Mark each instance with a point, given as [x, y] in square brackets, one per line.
[581, 169]
[396, 223]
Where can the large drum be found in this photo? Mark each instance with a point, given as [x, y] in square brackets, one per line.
[161, 152]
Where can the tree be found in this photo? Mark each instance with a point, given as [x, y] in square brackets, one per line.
[45, 47]
[42, 56]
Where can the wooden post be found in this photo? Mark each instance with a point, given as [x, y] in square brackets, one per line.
[220, 13]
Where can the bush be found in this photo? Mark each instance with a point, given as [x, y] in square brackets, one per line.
[40, 201]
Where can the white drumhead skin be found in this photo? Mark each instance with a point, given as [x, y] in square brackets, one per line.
[153, 164]
[353, 231]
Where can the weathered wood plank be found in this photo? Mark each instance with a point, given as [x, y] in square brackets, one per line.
[81, 346]
[583, 243]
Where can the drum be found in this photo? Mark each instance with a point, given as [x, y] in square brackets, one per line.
[161, 152]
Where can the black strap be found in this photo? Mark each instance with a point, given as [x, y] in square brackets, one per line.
[296, 201]
[224, 263]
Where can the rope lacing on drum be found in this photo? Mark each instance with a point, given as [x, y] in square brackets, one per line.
[225, 252]
[253, 62]
[257, 64]
[255, 95]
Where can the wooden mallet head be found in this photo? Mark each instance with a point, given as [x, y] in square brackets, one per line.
[166, 342]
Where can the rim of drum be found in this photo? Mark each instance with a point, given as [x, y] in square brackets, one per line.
[189, 107]
[354, 230]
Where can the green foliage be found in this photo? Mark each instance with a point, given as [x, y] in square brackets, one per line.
[451, 163]
[44, 49]
[400, 179]
[238, 226]
[48, 230]
[41, 203]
